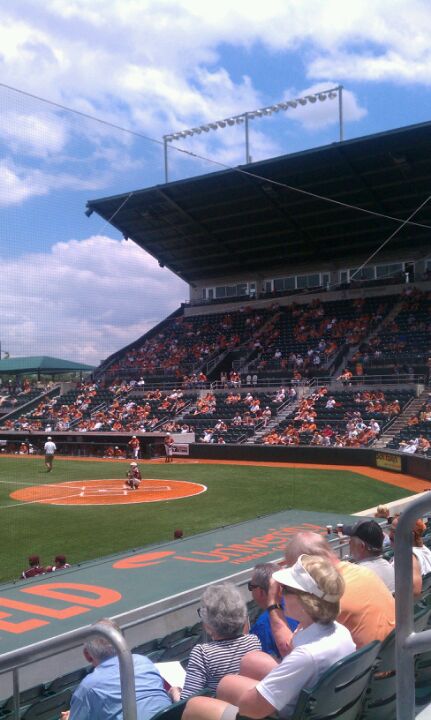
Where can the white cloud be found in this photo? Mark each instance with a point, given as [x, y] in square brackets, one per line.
[389, 66]
[320, 114]
[39, 134]
[84, 299]
[19, 183]
[158, 66]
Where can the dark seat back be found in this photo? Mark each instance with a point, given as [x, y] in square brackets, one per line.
[49, 708]
[380, 698]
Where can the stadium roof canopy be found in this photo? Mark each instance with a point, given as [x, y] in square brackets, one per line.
[41, 364]
[253, 218]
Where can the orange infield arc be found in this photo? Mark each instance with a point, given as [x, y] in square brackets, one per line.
[107, 492]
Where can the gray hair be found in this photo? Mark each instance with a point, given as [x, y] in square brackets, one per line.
[307, 543]
[98, 646]
[223, 610]
[262, 574]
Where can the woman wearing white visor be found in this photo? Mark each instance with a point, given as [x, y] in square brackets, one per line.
[312, 589]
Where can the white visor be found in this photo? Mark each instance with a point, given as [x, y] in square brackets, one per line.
[298, 578]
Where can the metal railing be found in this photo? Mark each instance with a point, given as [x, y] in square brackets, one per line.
[407, 642]
[15, 659]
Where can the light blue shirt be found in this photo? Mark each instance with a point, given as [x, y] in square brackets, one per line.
[98, 696]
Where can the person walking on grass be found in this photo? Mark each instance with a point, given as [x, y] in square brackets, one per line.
[50, 448]
[168, 443]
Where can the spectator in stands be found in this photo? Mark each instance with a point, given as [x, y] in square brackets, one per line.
[266, 416]
[409, 447]
[224, 616]
[258, 586]
[423, 444]
[367, 606]
[421, 554]
[312, 589]
[366, 546]
[345, 377]
[382, 512]
[34, 567]
[98, 697]
[208, 436]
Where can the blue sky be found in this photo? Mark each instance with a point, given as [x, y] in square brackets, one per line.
[71, 286]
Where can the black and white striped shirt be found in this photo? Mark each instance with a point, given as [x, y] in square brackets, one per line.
[210, 662]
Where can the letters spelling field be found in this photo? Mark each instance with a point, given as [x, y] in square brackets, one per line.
[232, 493]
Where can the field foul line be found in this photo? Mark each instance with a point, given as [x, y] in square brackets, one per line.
[41, 501]
[41, 485]
[23, 482]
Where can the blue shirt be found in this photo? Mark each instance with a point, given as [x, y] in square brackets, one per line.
[98, 696]
[262, 628]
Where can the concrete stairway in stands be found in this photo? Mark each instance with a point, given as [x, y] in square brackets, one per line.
[286, 410]
[375, 332]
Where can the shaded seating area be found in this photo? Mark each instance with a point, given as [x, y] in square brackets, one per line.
[306, 339]
[180, 345]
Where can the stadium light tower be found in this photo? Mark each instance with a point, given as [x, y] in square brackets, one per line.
[244, 119]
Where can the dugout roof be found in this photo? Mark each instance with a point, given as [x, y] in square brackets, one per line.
[232, 222]
[41, 364]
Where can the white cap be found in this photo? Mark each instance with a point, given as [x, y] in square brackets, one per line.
[136, 464]
[49, 438]
[297, 577]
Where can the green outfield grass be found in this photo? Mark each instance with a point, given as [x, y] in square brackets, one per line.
[234, 493]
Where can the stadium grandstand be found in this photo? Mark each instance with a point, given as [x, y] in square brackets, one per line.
[306, 339]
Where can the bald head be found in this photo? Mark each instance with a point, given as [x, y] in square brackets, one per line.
[307, 543]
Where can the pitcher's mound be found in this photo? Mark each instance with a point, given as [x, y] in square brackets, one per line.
[107, 492]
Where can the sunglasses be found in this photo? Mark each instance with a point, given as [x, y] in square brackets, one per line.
[251, 586]
[290, 591]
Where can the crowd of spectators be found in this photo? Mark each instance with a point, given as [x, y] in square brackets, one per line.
[185, 343]
[15, 393]
[342, 419]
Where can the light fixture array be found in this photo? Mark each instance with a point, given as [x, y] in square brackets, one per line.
[261, 112]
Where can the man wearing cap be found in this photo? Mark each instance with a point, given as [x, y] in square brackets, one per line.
[49, 448]
[258, 586]
[366, 545]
